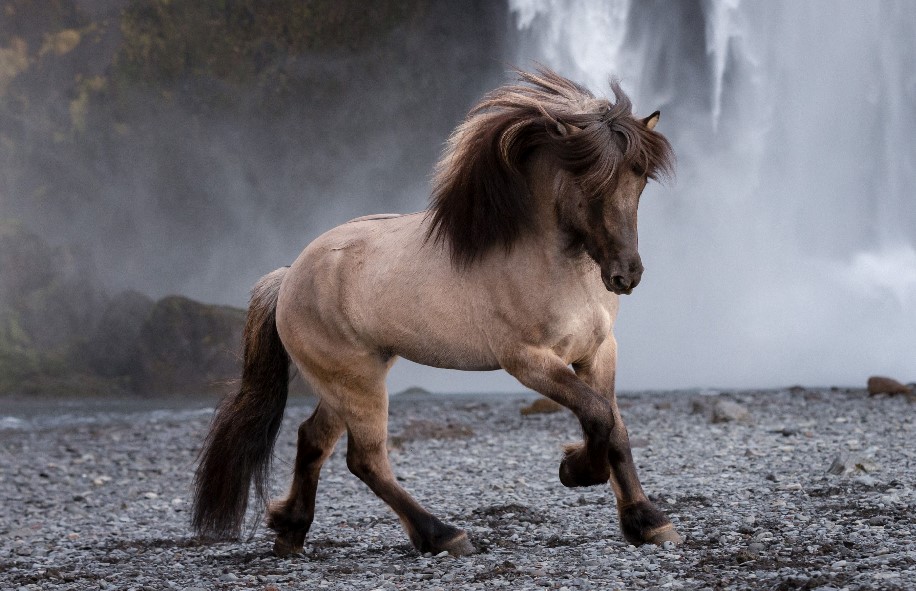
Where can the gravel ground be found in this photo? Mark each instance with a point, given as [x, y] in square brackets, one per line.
[96, 497]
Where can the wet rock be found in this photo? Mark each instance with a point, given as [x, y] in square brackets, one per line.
[885, 385]
[726, 411]
[541, 406]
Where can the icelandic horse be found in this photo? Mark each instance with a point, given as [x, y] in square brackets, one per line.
[530, 237]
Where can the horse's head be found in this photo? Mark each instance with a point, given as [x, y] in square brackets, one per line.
[598, 208]
[549, 139]
[605, 157]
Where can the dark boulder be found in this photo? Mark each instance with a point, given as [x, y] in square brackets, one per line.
[113, 350]
[186, 347]
[61, 334]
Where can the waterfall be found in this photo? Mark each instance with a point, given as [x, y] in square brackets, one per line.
[785, 251]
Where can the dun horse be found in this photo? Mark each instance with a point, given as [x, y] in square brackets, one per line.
[518, 263]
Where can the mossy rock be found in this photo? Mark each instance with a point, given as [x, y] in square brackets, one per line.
[48, 303]
[187, 347]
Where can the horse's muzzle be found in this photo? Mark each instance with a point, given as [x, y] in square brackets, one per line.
[622, 283]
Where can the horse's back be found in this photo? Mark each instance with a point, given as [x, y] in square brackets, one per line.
[377, 285]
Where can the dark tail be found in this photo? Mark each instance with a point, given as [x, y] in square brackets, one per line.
[239, 445]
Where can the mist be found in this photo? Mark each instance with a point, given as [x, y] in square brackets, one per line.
[199, 177]
[783, 253]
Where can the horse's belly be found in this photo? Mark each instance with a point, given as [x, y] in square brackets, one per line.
[436, 346]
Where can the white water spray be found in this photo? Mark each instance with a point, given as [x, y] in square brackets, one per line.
[786, 250]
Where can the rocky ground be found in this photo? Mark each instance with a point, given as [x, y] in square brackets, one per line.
[796, 489]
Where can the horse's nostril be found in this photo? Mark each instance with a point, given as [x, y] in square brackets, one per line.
[620, 282]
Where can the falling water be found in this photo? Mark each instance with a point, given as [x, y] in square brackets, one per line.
[785, 252]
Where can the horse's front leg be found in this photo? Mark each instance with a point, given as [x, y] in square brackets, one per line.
[544, 372]
[640, 521]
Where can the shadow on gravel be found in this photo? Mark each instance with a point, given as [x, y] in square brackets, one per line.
[146, 544]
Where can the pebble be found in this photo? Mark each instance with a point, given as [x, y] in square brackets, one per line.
[726, 411]
[773, 511]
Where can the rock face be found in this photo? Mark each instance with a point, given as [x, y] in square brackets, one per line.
[60, 334]
[885, 385]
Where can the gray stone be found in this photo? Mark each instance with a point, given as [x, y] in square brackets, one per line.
[725, 411]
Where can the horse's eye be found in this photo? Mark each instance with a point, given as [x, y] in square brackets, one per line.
[638, 170]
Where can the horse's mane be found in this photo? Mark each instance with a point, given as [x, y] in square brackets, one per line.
[480, 196]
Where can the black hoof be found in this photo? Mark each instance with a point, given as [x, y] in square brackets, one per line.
[289, 543]
[438, 537]
[291, 531]
[642, 524]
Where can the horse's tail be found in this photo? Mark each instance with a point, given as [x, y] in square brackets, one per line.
[239, 445]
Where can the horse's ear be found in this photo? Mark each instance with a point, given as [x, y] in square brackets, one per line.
[652, 120]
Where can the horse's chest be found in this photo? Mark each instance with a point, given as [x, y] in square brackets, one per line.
[580, 341]
[576, 330]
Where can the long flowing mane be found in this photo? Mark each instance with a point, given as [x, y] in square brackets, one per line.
[480, 196]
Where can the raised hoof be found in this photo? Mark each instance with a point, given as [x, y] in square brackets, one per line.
[460, 545]
[575, 470]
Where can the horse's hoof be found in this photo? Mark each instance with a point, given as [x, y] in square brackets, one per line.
[641, 523]
[573, 476]
[460, 545]
[664, 534]
[284, 547]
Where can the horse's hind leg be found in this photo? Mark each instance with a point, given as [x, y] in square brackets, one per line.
[366, 415]
[292, 517]
[640, 520]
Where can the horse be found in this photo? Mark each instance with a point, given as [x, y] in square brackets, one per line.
[518, 264]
